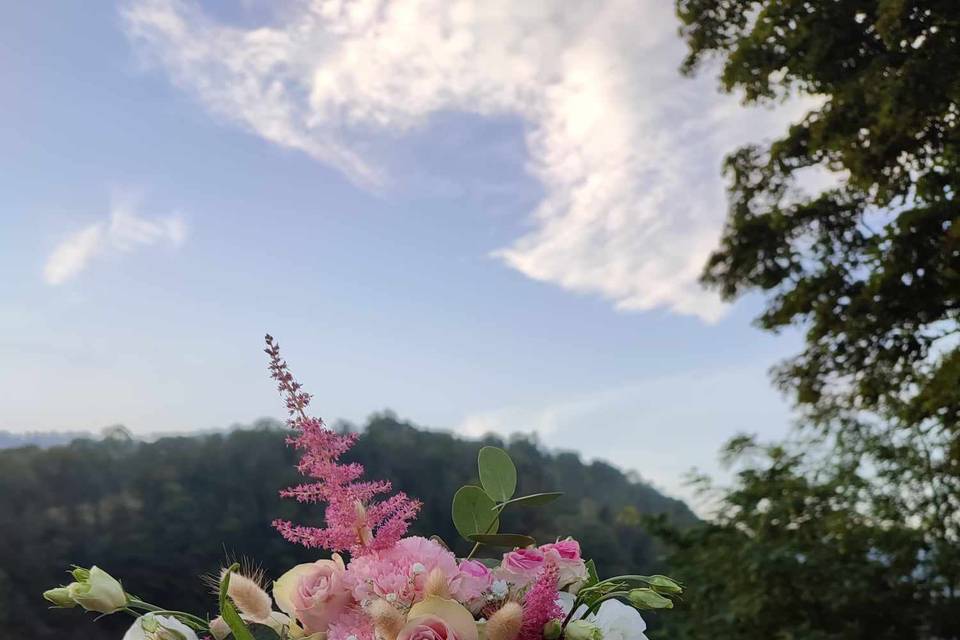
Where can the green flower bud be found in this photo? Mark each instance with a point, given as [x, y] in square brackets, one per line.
[99, 592]
[552, 630]
[649, 599]
[663, 584]
[582, 630]
[80, 574]
[60, 597]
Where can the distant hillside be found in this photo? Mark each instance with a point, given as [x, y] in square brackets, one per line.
[159, 514]
[10, 440]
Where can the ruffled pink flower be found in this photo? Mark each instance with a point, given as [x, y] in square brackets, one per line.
[399, 573]
[565, 554]
[521, 566]
[351, 624]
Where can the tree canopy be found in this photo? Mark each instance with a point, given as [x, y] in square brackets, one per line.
[869, 269]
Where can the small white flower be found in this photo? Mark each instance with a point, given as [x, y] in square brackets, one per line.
[499, 588]
[418, 568]
[390, 597]
[352, 637]
[154, 627]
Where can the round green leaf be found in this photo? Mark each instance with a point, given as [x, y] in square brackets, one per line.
[473, 512]
[498, 475]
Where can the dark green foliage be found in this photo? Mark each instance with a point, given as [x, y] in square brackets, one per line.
[159, 515]
[870, 270]
[792, 555]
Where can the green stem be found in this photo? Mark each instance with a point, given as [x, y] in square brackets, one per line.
[184, 616]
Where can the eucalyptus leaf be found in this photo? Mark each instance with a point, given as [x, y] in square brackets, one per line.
[532, 500]
[498, 475]
[473, 512]
[509, 540]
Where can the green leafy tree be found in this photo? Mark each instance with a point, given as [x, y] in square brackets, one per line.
[792, 554]
[869, 268]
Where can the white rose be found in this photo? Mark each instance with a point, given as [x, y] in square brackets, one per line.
[618, 621]
[615, 620]
[154, 627]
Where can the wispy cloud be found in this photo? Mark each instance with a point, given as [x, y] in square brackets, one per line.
[124, 230]
[650, 425]
[628, 152]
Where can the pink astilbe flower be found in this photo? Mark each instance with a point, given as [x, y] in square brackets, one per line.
[540, 604]
[358, 519]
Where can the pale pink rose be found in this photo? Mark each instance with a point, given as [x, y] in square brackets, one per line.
[313, 593]
[565, 554]
[427, 628]
[474, 578]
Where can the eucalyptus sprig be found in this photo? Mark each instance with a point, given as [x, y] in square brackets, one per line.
[477, 509]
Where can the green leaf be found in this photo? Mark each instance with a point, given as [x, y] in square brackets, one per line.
[229, 614]
[237, 628]
[592, 576]
[498, 475]
[263, 632]
[509, 540]
[473, 512]
[533, 500]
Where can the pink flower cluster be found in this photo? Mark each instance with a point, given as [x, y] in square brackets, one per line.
[357, 521]
[522, 567]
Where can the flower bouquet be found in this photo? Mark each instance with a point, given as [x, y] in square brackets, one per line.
[380, 585]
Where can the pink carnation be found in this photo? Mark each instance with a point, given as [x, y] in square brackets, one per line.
[399, 573]
[352, 622]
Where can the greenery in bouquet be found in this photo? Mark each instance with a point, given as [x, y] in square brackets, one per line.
[378, 583]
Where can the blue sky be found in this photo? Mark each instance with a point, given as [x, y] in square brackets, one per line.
[480, 215]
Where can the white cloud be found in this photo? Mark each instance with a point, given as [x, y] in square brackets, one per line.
[124, 230]
[627, 150]
[72, 255]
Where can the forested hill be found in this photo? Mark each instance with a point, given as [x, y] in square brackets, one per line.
[160, 514]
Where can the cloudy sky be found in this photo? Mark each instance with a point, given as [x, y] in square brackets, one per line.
[486, 215]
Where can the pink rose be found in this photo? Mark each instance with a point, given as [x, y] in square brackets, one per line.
[568, 549]
[427, 628]
[520, 567]
[566, 555]
[474, 578]
[313, 593]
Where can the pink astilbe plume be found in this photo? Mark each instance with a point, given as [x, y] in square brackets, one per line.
[358, 519]
[540, 604]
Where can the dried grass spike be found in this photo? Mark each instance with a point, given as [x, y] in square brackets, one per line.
[249, 596]
[437, 584]
[505, 623]
[387, 620]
